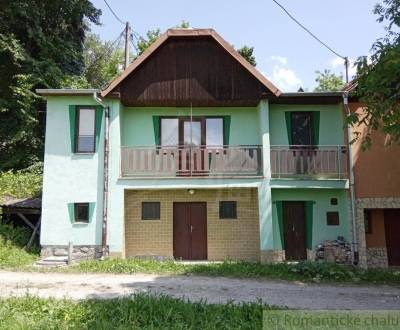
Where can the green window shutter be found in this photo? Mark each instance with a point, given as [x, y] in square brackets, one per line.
[91, 211]
[309, 223]
[279, 212]
[227, 127]
[315, 119]
[288, 118]
[72, 126]
[157, 131]
[98, 122]
[71, 212]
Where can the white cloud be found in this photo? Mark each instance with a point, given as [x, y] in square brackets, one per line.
[280, 59]
[282, 76]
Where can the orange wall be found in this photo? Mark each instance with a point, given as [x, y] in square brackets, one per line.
[377, 237]
[377, 170]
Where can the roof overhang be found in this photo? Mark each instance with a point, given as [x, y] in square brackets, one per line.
[66, 92]
[191, 33]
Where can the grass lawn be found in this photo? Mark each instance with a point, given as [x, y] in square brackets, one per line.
[139, 311]
[303, 271]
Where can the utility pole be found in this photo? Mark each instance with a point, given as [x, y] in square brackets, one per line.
[346, 65]
[127, 36]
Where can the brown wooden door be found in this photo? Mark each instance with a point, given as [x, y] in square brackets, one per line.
[392, 233]
[294, 223]
[190, 231]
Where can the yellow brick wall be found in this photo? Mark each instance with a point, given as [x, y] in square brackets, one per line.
[237, 239]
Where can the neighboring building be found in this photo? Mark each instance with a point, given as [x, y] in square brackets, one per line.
[207, 160]
[377, 191]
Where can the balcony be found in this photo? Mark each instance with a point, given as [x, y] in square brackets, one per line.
[309, 162]
[196, 161]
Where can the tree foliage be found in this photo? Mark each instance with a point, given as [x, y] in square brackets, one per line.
[247, 53]
[328, 81]
[41, 44]
[378, 77]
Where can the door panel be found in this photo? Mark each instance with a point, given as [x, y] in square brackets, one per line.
[190, 231]
[198, 222]
[294, 223]
[181, 231]
[392, 233]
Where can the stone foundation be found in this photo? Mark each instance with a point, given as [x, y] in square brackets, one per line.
[377, 258]
[80, 252]
[272, 256]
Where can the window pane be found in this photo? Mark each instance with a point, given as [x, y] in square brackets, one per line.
[86, 121]
[82, 212]
[332, 218]
[169, 132]
[227, 210]
[214, 132]
[302, 128]
[150, 210]
[86, 130]
[196, 133]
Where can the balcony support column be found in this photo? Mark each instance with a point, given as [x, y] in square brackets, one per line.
[264, 189]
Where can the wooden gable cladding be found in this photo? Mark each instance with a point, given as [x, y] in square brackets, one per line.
[191, 70]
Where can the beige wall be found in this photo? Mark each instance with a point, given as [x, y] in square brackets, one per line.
[377, 171]
[235, 239]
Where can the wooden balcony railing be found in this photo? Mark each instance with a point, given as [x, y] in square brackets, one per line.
[199, 161]
[330, 162]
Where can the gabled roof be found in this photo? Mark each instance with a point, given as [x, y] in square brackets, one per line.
[191, 33]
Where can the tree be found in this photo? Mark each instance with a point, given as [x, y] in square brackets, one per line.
[328, 81]
[145, 42]
[378, 77]
[247, 53]
[41, 43]
[103, 61]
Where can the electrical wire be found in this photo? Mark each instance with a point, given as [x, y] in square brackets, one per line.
[113, 12]
[308, 31]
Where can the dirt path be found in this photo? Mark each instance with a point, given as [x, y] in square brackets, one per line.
[214, 290]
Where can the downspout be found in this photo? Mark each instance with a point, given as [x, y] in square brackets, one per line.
[104, 248]
[352, 183]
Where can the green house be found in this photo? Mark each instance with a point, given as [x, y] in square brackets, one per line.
[191, 153]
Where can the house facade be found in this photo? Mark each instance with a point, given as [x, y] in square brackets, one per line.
[193, 154]
[377, 195]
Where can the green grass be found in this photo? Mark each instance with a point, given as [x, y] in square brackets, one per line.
[139, 311]
[12, 253]
[303, 271]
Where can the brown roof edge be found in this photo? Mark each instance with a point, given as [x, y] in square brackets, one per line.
[180, 32]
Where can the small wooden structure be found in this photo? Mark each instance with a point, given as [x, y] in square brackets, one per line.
[24, 212]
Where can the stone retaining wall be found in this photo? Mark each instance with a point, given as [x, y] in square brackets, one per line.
[80, 252]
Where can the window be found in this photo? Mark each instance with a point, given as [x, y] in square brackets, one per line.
[334, 201]
[150, 210]
[227, 210]
[82, 212]
[86, 130]
[169, 131]
[332, 218]
[214, 132]
[302, 130]
[368, 221]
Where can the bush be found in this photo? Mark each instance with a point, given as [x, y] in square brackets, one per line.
[22, 183]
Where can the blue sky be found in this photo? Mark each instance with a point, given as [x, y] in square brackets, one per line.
[284, 53]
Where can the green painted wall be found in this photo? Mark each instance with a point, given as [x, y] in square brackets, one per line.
[137, 124]
[330, 128]
[320, 230]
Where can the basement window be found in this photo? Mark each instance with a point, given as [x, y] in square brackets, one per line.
[227, 210]
[332, 218]
[150, 210]
[82, 212]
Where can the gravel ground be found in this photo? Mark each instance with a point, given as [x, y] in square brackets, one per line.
[212, 289]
